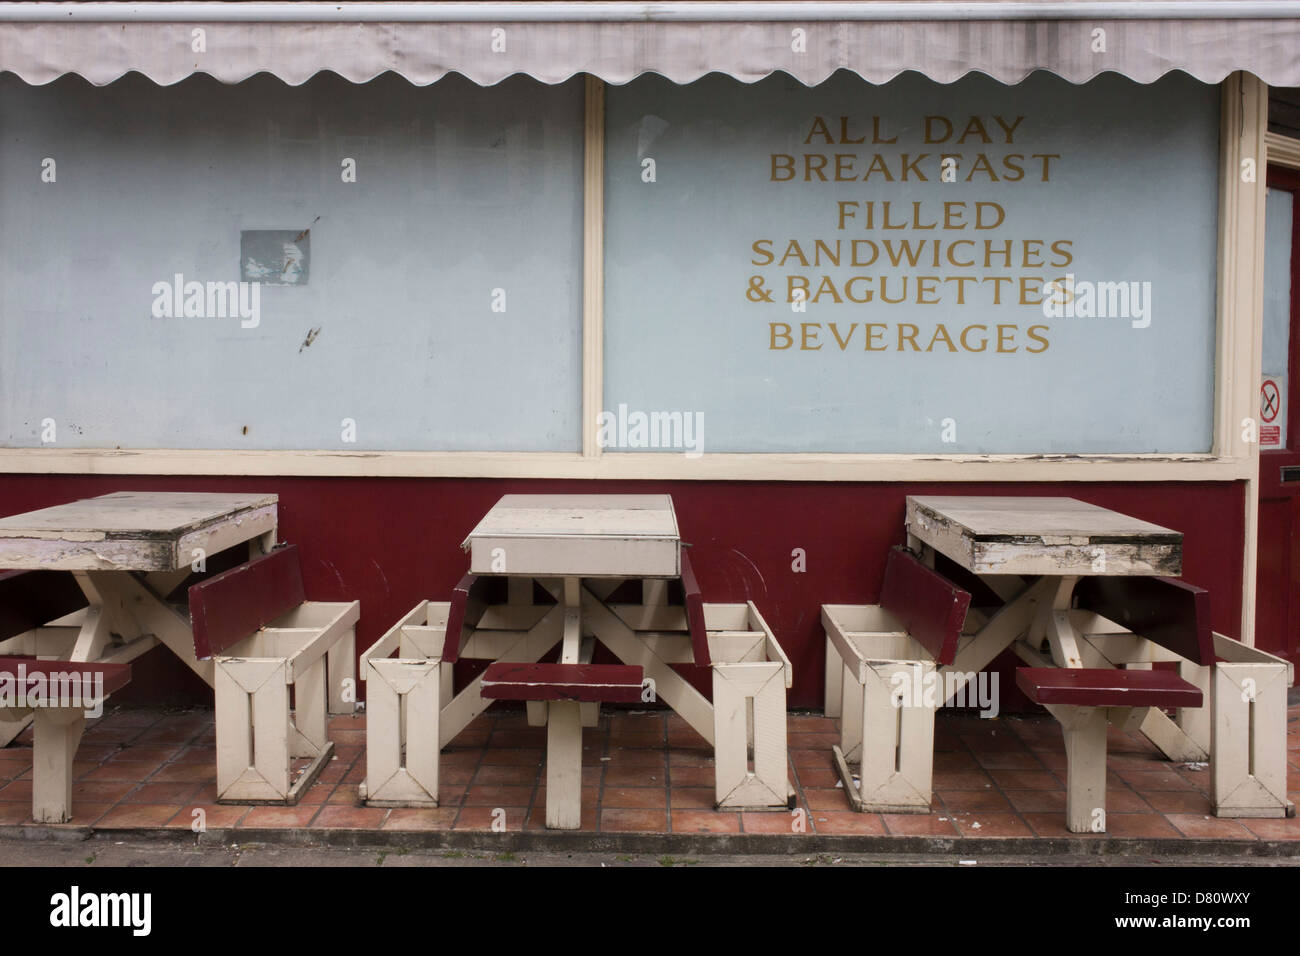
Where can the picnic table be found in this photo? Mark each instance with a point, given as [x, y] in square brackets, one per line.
[579, 550]
[1089, 603]
[126, 552]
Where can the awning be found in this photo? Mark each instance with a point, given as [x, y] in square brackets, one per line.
[616, 42]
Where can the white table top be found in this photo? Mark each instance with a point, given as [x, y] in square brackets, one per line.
[577, 535]
[1024, 535]
[133, 531]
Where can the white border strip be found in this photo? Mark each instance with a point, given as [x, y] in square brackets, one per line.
[668, 12]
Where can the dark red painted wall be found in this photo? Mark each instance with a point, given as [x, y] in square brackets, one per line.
[390, 542]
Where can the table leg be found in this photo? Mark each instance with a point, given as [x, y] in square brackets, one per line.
[564, 728]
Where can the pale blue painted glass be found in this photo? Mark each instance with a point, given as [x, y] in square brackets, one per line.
[1279, 212]
[460, 191]
[1135, 191]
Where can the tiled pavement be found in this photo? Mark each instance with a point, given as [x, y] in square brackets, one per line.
[643, 772]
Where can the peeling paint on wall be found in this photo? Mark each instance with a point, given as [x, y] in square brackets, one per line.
[274, 256]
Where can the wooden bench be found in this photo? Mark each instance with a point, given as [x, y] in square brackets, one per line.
[882, 681]
[266, 640]
[1242, 731]
[1169, 614]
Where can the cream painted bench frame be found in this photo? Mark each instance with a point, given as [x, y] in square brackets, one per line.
[265, 642]
[310, 650]
[891, 740]
[412, 713]
[1241, 731]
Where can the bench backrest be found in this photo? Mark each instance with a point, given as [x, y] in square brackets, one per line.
[31, 599]
[1166, 611]
[931, 608]
[232, 605]
[695, 614]
[469, 599]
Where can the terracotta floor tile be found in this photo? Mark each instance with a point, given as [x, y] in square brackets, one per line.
[629, 820]
[156, 792]
[1274, 829]
[701, 776]
[818, 758]
[87, 813]
[1155, 780]
[992, 825]
[421, 818]
[471, 758]
[648, 798]
[810, 724]
[690, 798]
[1180, 801]
[138, 815]
[214, 816]
[524, 739]
[994, 743]
[777, 821]
[1037, 801]
[1124, 800]
[622, 757]
[122, 770]
[961, 780]
[350, 818]
[537, 817]
[846, 822]
[972, 801]
[625, 741]
[1144, 825]
[1026, 780]
[185, 773]
[18, 791]
[822, 779]
[16, 812]
[199, 755]
[697, 758]
[528, 757]
[635, 777]
[956, 760]
[1053, 825]
[484, 818]
[829, 799]
[507, 774]
[344, 795]
[279, 817]
[705, 821]
[918, 824]
[1202, 827]
[456, 775]
[316, 794]
[812, 741]
[498, 796]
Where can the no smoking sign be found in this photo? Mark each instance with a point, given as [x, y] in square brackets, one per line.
[1271, 414]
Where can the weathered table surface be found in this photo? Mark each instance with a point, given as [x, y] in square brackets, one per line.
[1056, 536]
[133, 531]
[587, 536]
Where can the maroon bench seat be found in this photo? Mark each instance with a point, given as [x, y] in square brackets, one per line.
[116, 676]
[588, 683]
[1106, 687]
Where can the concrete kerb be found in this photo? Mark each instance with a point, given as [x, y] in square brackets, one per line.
[745, 844]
